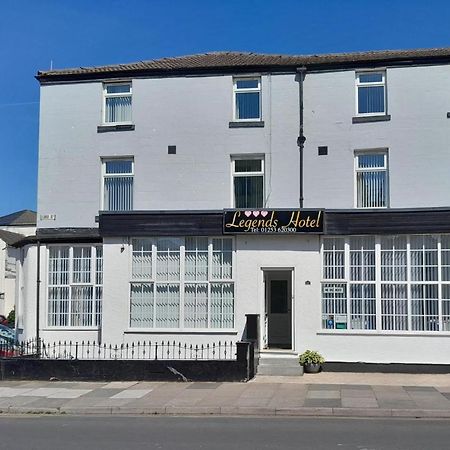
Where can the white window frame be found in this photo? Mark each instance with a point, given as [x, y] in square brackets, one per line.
[357, 169]
[248, 174]
[358, 84]
[105, 175]
[443, 319]
[93, 282]
[244, 91]
[182, 282]
[119, 94]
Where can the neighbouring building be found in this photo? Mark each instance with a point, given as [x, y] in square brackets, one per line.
[186, 198]
[13, 229]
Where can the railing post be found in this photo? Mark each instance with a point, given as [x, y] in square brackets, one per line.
[38, 347]
[241, 351]
[76, 350]
[252, 328]
[245, 353]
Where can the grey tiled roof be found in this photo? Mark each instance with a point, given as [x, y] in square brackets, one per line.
[19, 218]
[236, 60]
[10, 238]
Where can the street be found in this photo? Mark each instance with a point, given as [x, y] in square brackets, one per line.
[42, 432]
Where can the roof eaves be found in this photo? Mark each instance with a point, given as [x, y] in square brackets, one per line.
[215, 62]
[10, 238]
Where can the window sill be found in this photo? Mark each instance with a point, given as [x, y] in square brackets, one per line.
[384, 333]
[96, 329]
[366, 119]
[179, 331]
[370, 208]
[117, 127]
[249, 124]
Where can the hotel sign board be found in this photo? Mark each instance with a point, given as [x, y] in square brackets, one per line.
[272, 221]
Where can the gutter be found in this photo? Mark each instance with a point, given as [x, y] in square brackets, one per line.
[38, 295]
[301, 72]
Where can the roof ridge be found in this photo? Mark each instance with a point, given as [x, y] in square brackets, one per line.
[234, 58]
[17, 218]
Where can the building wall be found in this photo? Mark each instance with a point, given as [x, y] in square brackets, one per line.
[253, 255]
[26, 293]
[9, 257]
[416, 137]
[193, 113]
[4, 282]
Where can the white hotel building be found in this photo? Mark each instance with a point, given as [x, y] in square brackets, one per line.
[142, 167]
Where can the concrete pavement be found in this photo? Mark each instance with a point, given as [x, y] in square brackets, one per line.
[325, 394]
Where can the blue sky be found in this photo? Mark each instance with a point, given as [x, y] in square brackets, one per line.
[74, 33]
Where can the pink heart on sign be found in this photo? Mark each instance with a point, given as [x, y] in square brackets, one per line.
[248, 213]
[256, 213]
[264, 213]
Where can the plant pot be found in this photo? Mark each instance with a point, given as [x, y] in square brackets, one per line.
[312, 368]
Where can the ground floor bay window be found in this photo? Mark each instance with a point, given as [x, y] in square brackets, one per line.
[183, 283]
[75, 280]
[386, 283]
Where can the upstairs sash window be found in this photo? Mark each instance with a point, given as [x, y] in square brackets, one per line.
[371, 93]
[248, 183]
[117, 103]
[247, 98]
[371, 180]
[118, 177]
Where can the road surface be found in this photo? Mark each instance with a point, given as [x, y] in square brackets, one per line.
[220, 433]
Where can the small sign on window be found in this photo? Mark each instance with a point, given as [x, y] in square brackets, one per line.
[333, 290]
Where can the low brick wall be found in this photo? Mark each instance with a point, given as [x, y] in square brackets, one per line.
[91, 370]
[240, 369]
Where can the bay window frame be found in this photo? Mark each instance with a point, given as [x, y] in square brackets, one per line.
[93, 283]
[182, 282]
[408, 282]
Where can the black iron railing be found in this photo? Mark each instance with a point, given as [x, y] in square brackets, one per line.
[144, 350]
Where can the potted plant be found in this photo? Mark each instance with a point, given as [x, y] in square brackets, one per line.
[311, 361]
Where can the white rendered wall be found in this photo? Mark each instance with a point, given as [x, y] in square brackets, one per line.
[8, 285]
[26, 293]
[4, 283]
[253, 254]
[302, 254]
[193, 113]
[417, 137]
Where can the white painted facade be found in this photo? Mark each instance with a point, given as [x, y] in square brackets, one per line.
[8, 270]
[193, 113]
